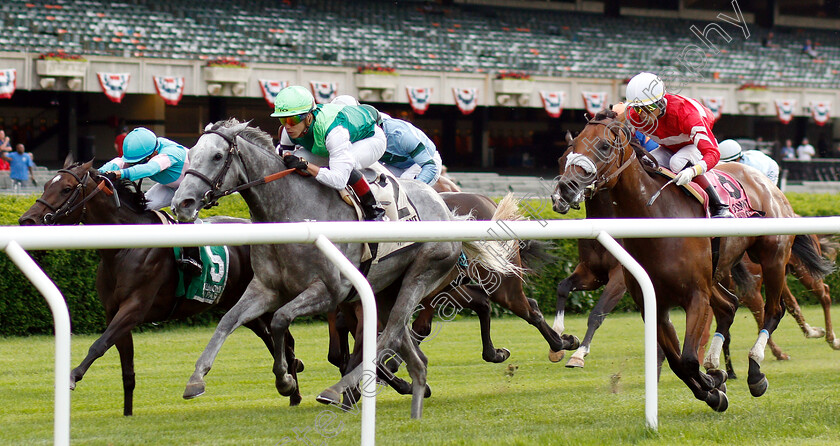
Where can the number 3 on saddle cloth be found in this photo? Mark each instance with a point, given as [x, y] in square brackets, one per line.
[728, 188]
[208, 286]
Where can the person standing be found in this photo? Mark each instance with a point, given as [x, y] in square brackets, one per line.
[805, 151]
[21, 167]
[4, 147]
[788, 152]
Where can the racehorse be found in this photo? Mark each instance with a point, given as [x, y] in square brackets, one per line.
[603, 157]
[293, 280]
[136, 285]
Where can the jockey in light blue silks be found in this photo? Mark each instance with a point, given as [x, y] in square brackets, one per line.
[145, 155]
[730, 151]
[409, 152]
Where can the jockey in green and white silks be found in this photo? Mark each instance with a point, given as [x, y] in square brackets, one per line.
[342, 139]
[147, 156]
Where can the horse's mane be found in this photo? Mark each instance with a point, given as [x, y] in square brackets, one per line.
[251, 134]
[130, 196]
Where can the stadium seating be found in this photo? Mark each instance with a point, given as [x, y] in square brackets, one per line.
[405, 35]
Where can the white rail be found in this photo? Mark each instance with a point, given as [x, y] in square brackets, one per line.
[14, 239]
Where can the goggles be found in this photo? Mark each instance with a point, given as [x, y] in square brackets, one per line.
[649, 107]
[293, 120]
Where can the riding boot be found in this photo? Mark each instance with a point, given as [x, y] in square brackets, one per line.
[717, 209]
[190, 261]
[370, 207]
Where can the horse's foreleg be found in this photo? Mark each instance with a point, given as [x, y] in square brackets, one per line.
[792, 306]
[125, 346]
[774, 309]
[474, 298]
[415, 363]
[723, 306]
[607, 302]
[581, 279]
[255, 301]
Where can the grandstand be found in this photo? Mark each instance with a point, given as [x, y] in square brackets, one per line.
[570, 46]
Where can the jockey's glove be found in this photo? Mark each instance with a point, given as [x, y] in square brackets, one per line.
[686, 175]
[295, 162]
[111, 176]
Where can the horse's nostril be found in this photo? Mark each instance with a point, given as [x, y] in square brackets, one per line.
[26, 221]
[187, 203]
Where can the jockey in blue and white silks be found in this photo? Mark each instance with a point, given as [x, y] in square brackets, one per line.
[410, 153]
[730, 151]
[147, 156]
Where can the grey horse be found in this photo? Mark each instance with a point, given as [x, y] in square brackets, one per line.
[294, 280]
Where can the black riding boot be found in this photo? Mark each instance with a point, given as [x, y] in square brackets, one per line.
[716, 208]
[190, 261]
[370, 207]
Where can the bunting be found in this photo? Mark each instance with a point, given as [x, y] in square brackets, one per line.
[419, 98]
[271, 88]
[466, 99]
[553, 102]
[821, 112]
[8, 83]
[171, 89]
[324, 92]
[715, 104]
[784, 109]
[594, 101]
[114, 85]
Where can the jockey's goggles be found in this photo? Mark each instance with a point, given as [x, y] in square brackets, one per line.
[649, 107]
[293, 120]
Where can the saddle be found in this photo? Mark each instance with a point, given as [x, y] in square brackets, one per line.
[729, 190]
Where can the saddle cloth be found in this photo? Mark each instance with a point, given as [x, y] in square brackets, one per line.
[388, 193]
[728, 189]
[215, 261]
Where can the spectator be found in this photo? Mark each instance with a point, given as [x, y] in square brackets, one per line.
[4, 147]
[788, 152]
[118, 143]
[767, 41]
[805, 151]
[808, 49]
[21, 166]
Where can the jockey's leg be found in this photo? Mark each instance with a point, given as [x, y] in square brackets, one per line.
[372, 209]
[190, 261]
[158, 197]
[717, 208]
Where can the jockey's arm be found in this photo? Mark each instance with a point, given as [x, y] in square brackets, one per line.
[341, 160]
[157, 164]
[703, 138]
[113, 165]
[424, 157]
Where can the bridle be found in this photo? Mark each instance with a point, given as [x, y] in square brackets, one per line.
[69, 205]
[602, 178]
[212, 196]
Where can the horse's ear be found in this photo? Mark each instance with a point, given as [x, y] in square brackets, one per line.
[88, 165]
[238, 128]
[68, 160]
[208, 126]
[569, 137]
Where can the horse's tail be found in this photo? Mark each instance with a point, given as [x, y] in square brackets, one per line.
[829, 247]
[743, 279]
[807, 250]
[496, 255]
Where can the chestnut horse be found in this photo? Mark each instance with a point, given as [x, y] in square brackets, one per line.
[136, 285]
[602, 157]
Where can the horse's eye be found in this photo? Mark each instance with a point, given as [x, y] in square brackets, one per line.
[217, 157]
[67, 190]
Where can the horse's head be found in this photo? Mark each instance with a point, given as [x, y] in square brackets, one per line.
[594, 160]
[64, 197]
[215, 167]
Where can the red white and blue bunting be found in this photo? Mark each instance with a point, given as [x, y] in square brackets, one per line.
[324, 92]
[553, 102]
[8, 83]
[419, 98]
[171, 89]
[114, 85]
[271, 88]
[466, 99]
[715, 104]
[594, 101]
[784, 109]
[821, 112]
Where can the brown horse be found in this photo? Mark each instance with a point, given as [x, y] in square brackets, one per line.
[681, 269]
[136, 285]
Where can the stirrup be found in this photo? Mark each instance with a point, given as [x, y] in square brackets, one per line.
[722, 212]
[377, 213]
[189, 266]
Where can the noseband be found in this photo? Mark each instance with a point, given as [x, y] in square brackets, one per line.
[68, 206]
[603, 178]
[212, 196]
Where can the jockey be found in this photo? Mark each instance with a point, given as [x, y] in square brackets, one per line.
[145, 155]
[683, 129]
[409, 153]
[730, 150]
[345, 138]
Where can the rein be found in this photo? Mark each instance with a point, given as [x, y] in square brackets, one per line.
[68, 206]
[212, 196]
[600, 181]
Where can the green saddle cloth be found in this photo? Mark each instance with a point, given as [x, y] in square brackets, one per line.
[208, 287]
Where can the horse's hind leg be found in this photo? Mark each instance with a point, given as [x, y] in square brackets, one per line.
[125, 346]
[612, 294]
[474, 298]
[415, 362]
[820, 289]
[255, 301]
[774, 309]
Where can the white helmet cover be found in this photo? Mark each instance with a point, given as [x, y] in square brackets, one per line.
[645, 89]
[730, 150]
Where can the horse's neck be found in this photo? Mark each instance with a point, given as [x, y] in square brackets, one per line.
[600, 206]
[264, 202]
[103, 211]
[632, 190]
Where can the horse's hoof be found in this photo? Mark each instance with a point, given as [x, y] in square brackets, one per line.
[556, 356]
[329, 396]
[572, 341]
[783, 357]
[428, 392]
[834, 343]
[285, 386]
[575, 362]
[500, 355]
[299, 365]
[814, 332]
[193, 390]
[756, 380]
[295, 400]
[718, 377]
[72, 385]
[718, 400]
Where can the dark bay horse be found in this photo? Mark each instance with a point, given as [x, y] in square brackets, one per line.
[602, 157]
[292, 280]
[136, 285]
